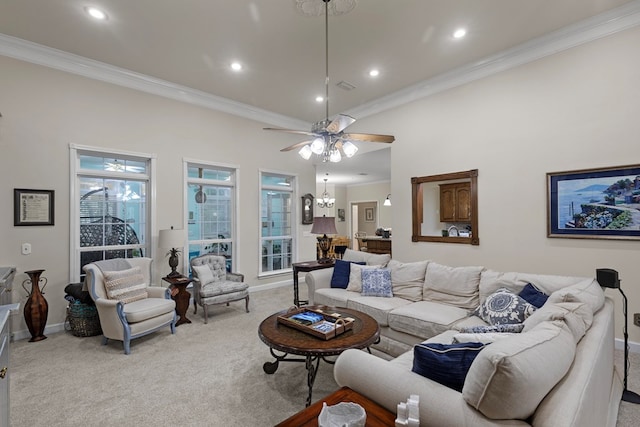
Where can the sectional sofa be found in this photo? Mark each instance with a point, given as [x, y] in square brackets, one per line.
[558, 371]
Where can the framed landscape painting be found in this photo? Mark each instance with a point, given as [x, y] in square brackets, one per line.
[599, 203]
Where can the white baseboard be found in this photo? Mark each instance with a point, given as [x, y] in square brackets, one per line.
[49, 329]
[274, 285]
[634, 347]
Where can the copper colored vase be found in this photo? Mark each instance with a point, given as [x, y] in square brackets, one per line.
[36, 308]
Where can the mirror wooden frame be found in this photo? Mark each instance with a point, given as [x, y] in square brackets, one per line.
[418, 214]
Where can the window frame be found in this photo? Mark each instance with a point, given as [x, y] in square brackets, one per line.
[75, 151]
[235, 208]
[294, 219]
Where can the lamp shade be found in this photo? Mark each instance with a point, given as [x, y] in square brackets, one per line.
[324, 225]
[170, 239]
[387, 201]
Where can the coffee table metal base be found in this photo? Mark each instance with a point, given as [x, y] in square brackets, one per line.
[293, 345]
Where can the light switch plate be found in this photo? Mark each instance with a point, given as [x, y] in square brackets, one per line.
[26, 248]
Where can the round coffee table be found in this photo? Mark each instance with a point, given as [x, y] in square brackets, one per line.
[288, 340]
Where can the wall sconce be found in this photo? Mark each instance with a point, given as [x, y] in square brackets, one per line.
[387, 201]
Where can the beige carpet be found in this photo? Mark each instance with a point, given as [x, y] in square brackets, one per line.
[204, 375]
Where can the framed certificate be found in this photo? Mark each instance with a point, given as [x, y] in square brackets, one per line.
[33, 207]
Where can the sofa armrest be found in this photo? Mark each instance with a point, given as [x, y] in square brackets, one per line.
[388, 384]
[158, 292]
[235, 277]
[318, 279]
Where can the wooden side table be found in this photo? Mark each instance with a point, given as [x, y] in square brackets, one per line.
[305, 267]
[180, 295]
[377, 416]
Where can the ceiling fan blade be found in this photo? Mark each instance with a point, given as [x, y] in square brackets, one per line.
[298, 145]
[369, 137]
[340, 123]
[297, 132]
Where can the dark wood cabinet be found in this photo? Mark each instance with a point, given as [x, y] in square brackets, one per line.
[455, 202]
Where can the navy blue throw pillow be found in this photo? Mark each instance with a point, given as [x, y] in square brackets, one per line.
[446, 364]
[533, 295]
[341, 271]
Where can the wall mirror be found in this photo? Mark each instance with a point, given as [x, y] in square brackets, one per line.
[445, 208]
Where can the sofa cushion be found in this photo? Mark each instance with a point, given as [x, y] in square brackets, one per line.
[587, 291]
[334, 297]
[425, 318]
[457, 286]
[341, 272]
[219, 288]
[446, 364]
[504, 307]
[407, 279]
[533, 295]
[576, 315]
[378, 308]
[125, 286]
[147, 308]
[490, 281]
[510, 377]
[369, 258]
[355, 276]
[376, 282]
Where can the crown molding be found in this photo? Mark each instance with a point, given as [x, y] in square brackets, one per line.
[599, 26]
[53, 58]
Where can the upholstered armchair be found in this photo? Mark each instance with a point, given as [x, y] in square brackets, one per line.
[212, 284]
[127, 305]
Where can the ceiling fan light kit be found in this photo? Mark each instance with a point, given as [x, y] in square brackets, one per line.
[328, 138]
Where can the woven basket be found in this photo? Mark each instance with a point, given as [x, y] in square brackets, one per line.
[83, 320]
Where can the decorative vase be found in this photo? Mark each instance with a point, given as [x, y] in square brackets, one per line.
[36, 308]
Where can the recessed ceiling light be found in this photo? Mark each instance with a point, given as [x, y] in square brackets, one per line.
[459, 33]
[236, 66]
[319, 99]
[96, 13]
[374, 73]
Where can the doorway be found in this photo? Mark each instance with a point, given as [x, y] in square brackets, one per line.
[364, 218]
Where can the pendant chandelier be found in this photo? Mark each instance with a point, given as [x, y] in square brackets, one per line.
[325, 200]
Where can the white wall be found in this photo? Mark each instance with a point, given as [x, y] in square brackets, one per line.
[573, 110]
[45, 110]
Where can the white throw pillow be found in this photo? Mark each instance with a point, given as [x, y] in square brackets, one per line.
[355, 277]
[204, 273]
[125, 285]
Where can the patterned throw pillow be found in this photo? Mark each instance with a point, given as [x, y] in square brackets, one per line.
[355, 276]
[446, 364]
[376, 282]
[125, 285]
[513, 328]
[504, 307]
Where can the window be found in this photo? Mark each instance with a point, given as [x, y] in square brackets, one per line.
[210, 206]
[111, 211]
[276, 217]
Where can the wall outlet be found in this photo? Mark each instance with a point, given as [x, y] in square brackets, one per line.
[636, 319]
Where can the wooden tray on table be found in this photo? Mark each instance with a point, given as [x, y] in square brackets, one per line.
[317, 323]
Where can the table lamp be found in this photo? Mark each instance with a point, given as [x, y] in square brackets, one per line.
[324, 225]
[608, 278]
[172, 240]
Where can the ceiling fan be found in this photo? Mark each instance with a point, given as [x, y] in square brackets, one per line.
[328, 137]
